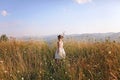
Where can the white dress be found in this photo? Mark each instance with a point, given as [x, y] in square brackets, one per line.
[61, 53]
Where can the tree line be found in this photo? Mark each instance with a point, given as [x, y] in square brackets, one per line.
[4, 37]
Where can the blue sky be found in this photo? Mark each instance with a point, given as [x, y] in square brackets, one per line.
[48, 17]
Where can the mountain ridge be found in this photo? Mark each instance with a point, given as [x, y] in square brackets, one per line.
[81, 37]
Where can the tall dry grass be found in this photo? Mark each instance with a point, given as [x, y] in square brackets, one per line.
[34, 60]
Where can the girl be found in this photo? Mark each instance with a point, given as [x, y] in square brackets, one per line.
[60, 53]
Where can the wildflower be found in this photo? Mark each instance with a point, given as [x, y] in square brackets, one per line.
[50, 76]
[5, 71]
[18, 71]
[64, 60]
[10, 74]
[22, 78]
[40, 72]
[99, 72]
[41, 63]
[83, 74]
[24, 51]
[109, 52]
[65, 72]
[1, 61]
[45, 62]
[88, 65]
[68, 65]
[95, 66]
[52, 64]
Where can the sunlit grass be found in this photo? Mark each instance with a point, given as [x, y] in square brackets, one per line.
[34, 60]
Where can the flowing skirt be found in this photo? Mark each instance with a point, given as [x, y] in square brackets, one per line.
[61, 54]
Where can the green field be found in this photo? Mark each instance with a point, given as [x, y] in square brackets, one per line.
[34, 60]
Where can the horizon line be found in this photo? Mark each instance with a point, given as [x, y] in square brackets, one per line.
[56, 34]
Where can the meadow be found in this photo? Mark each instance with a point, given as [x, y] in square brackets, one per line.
[34, 60]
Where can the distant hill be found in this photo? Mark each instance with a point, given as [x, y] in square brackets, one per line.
[96, 37]
[81, 37]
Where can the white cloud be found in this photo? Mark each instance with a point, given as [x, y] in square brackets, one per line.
[83, 1]
[4, 13]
